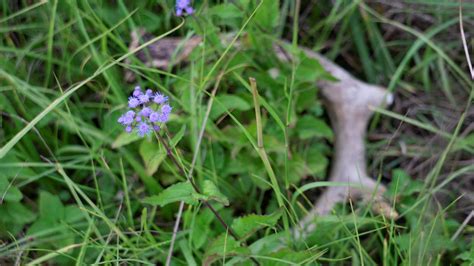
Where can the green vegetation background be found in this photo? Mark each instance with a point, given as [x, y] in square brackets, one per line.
[77, 190]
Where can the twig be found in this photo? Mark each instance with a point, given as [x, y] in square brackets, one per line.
[175, 233]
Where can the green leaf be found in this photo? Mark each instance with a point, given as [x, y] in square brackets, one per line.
[50, 207]
[316, 161]
[178, 192]
[268, 15]
[19, 213]
[228, 102]
[8, 192]
[403, 184]
[72, 214]
[223, 245]
[225, 11]
[124, 139]
[309, 127]
[309, 69]
[247, 225]
[211, 191]
[177, 138]
[291, 257]
[152, 154]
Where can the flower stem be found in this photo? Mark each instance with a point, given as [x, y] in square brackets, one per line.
[170, 154]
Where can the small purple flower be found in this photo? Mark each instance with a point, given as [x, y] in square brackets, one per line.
[166, 109]
[183, 5]
[137, 92]
[143, 129]
[163, 118]
[125, 119]
[144, 98]
[146, 111]
[160, 98]
[133, 102]
[154, 117]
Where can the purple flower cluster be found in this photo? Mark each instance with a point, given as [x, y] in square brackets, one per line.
[184, 5]
[147, 110]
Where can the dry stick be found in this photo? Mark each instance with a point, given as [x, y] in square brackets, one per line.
[196, 188]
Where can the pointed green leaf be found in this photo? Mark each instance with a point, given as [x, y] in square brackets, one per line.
[152, 155]
[223, 245]
[228, 102]
[125, 138]
[211, 191]
[8, 192]
[178, 192]
[247, 225]
[309, 127]
[50, 207]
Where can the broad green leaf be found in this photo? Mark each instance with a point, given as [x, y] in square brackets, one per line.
[125, 138]
[228, 102]
[225, 11]
[72, 214]
[201, 229]
[308, 69]
[309, 127]
[50, 207]
[178, 192]
[152, 154]
[247, 225]
[223, 245]
[8, 192]
[211, 191]
[19, 213]
[403, 184]
[268, 15]
[316, 161]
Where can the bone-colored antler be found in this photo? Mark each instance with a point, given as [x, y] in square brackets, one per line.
[349, 103]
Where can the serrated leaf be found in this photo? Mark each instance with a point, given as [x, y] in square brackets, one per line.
[309, 127]
[178, 192]
[247, 225]
[125, 138]
[223, 245]
[152, 154]
[212, 192]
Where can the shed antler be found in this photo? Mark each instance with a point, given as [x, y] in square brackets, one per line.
[348, 102]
